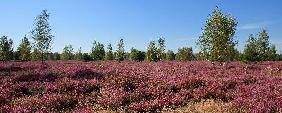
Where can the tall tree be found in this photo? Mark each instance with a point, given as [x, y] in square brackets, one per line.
[41, 34]
[57, 56]
[50, 56]
[126, 56]
[161, 49]
[152, 52]
[98, 51]
[120, 54]
[67, 53]
[136, 55]
[6, 49]
[250, 51]
[263, 44]
[35, 55]
[170, 55]
[185, 53]
[109, 54]
[24, 49]
[271, 54]
[216, 42]
[79, 54]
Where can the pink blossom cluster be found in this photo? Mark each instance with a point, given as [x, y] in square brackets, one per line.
[77, 86]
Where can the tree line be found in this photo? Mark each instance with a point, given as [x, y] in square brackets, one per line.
[216, 43]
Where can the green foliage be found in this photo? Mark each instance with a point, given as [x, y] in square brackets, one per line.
[126, 56]
[141, 56]
[279, 57]
[263, 45]
[250, 51]
[24, 50]
[120, 54]
[50, 56]
[109, 54]
[16, 55]
[134, 54]
[35, 55]
[237, 55]
[185, 53]
[67, 53]
[98, 51]
[137, 55]
[41, 34]
[259, 49]
[86, 57]
[6, 49]
[216, 42]
[79, 54]
[57, 56]
[271, 54]
[152, 52]
[155, 52]
[161, 49]
[170, 55]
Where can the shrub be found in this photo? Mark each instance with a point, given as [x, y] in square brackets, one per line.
[87, 74]
[229, 85]
[175, 89]
[129, 86]
[170, 55]
[250, 80]
[42, 77]
[63, 104]
[27, 91]
[90, 88]
[10, 69]
[194, 84]
[184, 53]
[3, 101]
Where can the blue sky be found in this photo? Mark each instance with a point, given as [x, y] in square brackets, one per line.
[80, 22]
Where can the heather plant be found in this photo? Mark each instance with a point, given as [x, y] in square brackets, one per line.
[194, 86]
[62, 104]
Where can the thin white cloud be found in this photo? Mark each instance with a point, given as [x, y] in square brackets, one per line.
[258, 25]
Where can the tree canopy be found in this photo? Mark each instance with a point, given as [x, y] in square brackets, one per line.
[41, 34]
[6, 49]
[216, 42]
[24, 49]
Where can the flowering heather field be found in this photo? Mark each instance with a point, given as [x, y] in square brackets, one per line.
[111, 86]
